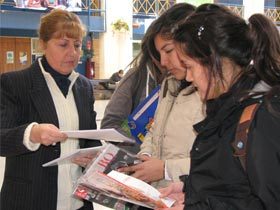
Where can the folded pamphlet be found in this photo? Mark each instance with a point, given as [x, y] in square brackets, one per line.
[103, 184]
[141, 119]
[66, 159]
[110, 134]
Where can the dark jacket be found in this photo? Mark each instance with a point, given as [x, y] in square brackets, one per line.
[25, 98]
[217, 181]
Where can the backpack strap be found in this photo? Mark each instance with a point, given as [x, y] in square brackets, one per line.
[241, 135]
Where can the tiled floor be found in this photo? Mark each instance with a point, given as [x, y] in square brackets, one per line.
[99, 107]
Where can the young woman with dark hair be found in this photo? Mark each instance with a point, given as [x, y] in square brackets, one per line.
[179, 107]
[234, 65]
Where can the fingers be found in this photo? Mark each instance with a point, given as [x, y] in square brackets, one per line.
[149, 170]
[57, 135]
[136, 167]
[83, 161]
[175, 187]
[138, 171]
[129, 169]
[144, 157]
[80, 162]
[142, 176]
[175, 207]
[46, 134]
[164, 192]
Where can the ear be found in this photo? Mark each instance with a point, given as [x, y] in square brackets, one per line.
[42, 45]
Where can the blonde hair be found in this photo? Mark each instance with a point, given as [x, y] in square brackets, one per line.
[59, 23]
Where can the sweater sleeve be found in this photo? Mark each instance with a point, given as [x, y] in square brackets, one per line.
[177, 167]
[120, 104]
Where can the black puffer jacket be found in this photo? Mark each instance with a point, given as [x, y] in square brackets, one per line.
[217, 181]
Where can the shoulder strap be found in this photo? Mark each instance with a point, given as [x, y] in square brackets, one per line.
[241, 135]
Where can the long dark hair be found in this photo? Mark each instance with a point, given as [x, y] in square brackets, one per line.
[163, 25]
[213, 32]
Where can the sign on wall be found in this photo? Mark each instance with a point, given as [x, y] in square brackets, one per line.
[23, 58]
[10, 57]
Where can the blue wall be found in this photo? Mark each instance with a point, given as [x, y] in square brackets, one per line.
[272, 3]
[235, 2]
[13, 21]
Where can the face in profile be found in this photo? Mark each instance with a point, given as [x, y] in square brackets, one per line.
[169, 58]
[195, 73]
[63, 54]
[198, 75]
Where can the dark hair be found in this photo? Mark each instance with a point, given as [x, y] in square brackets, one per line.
[162, 25]
[213, 32]
[266, 48]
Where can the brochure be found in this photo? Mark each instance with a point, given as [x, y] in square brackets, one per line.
[111, 158]
[98, 197]
[142, 117]
[123, 187]
[66, 159]
[101, 183]
[110, 134]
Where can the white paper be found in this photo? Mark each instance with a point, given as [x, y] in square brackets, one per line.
[103, 134]
[77, 153]
[140, 185]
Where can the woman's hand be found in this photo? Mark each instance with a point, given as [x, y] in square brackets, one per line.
[174, 191]
[83, 161]
[177, 207]
[46, 134]
[149, 170]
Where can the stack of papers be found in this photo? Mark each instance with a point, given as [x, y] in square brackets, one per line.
[102, 134]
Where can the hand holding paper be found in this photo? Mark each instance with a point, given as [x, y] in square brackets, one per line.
[142, 187]
[83, 161]
[149, 169]
[101, 180]
[79, 153]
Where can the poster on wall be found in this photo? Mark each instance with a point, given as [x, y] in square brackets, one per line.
[10, 57]
[20, 3]
[70, 5]
[23, 58]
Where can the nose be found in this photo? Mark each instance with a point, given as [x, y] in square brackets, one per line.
[72, 49]
[189, 77]
[164, 60]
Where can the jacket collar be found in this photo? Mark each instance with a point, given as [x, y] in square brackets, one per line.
[218, 110]
[41, 96]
